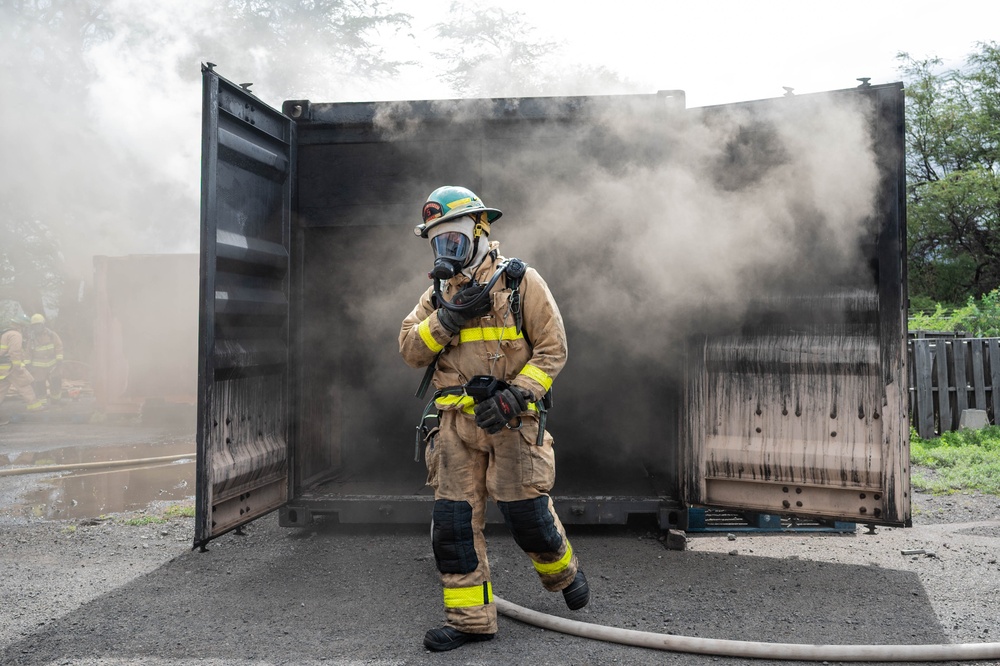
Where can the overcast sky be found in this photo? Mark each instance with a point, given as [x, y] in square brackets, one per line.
[721, 51]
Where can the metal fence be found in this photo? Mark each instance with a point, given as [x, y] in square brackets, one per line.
[950, 375]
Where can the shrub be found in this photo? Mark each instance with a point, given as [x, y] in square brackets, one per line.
[980, 318]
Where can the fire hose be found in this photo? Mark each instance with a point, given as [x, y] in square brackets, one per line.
[134, 462]
[751, 649]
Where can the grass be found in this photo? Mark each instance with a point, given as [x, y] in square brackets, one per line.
[172, 511]
[957, 460]
[179, 511]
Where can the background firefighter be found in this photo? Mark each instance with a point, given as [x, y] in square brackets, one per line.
[491, 446]
[12, 364]
[45, 353]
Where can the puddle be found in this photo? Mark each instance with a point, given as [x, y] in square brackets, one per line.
[90, 453]
[93, 492]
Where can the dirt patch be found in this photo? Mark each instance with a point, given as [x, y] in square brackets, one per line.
[112, 592]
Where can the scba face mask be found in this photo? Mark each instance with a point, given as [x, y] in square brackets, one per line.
[453, 247]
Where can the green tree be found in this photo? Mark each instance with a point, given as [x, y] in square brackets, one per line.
[31, 267]
[293, 43]
[953, 186]
[494, 52]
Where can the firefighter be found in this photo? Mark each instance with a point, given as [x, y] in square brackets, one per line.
[45, 349]
[490, 332]
[13, 373]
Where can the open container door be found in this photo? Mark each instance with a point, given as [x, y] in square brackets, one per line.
[802, 411]
[248, 164]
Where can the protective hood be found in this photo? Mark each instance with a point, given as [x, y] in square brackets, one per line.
[455, 247]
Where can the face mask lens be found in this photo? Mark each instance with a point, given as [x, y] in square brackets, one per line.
[451, 245]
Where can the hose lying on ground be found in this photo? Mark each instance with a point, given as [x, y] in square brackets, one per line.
[135, 462]
[756, 650]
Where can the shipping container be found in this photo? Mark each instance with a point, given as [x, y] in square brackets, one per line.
[732, 281]
[146, 336]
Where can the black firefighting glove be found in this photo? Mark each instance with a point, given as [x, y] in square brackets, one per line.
[454, 321]
[496, 411]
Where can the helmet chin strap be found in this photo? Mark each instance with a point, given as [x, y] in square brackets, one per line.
[476, 257]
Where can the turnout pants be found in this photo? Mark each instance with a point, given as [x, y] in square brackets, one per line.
[20, 380]
[466, 466]
[50, 376]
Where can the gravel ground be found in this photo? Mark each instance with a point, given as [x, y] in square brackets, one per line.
[108, 592]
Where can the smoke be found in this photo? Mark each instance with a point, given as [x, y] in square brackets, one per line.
[706, 212]
[102, 128]
[646, 231]
[649, 225]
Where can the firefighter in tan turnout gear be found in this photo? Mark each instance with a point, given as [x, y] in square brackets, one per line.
[45, 350]
[13, 373]
[492, 339]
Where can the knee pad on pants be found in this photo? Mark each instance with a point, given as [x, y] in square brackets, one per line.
[454, 545]
[531, 524]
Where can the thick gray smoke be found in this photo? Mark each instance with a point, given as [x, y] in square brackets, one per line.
[649, 231]
[658, 247]
[646, 232]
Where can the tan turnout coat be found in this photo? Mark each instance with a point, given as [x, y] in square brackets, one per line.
[530, 359]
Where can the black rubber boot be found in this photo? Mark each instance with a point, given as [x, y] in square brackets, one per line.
[449, 638]
[577, 593]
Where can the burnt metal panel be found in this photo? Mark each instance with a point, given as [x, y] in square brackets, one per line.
[393, 509]
[248, 178]
[803, 410]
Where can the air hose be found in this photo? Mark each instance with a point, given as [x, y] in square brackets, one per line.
[462, 307]
[69, 467]
[751, 649]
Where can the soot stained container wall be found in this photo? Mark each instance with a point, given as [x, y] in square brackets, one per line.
[362, 270]
[683, 400]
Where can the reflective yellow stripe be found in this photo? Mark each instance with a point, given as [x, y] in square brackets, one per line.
[555, 567]
[466, 403]
[463, 401]
[463, 597]
[531, 372]
[44, 348]
[458, 202]
[424, 329]
[489, 334]
[43, 364]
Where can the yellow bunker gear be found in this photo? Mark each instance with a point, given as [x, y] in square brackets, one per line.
[13, 372]
[45, 357]
[466, 465]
